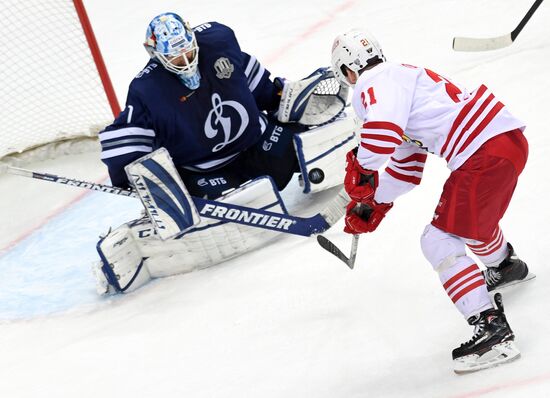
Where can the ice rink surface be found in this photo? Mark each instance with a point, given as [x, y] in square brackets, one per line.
[288, 320]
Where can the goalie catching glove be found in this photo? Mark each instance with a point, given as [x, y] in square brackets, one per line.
[312, 101]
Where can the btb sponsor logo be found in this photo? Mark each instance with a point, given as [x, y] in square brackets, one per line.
[204, 182]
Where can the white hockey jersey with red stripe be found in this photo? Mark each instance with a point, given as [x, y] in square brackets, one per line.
[408, 111]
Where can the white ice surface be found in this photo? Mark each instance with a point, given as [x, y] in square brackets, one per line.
[288, 320]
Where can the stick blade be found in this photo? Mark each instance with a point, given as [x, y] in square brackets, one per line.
[332, 249]
[473, 44]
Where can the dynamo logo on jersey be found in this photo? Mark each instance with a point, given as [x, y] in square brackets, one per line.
[221, 118]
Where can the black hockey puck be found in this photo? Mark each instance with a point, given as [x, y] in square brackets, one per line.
[316, 176]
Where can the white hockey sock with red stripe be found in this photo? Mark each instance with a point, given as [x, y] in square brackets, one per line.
[466, 287]
[490, 253]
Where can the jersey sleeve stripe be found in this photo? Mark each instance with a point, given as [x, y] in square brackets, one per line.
[381, 137]
[417, 157]
[251, 62]
[126, 142]
[378, 149]
[111, 153]
[257, 78]
[403, 177]
[125, 132]
[384, 126]
[419, 169]
[462, 115]
[254, 72]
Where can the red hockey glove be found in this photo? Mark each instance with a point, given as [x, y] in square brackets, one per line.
[359, 183]
[365, 217]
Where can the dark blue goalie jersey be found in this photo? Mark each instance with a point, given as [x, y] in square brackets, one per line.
[201, 129]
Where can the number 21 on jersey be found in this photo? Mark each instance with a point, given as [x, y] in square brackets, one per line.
[371, 100]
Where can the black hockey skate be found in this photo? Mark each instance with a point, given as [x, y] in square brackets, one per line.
[491, 345]
[510, 271]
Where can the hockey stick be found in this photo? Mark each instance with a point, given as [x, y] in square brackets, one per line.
[258, 218]
[333, 249]
[365, 212]
[494, 43]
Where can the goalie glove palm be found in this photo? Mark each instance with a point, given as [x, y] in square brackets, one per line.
[312, 101]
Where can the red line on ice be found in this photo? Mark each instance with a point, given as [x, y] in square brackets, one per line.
[506, 386]
[310, 30]
[4, 250]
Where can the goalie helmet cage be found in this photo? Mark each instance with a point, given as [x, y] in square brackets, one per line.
[54, 86]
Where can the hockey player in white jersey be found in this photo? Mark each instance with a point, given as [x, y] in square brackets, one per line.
[407, 112]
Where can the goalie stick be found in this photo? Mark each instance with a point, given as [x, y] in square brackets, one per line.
[227, 212]
[494, 43]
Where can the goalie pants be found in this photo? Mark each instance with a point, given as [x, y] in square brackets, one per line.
[274, 155]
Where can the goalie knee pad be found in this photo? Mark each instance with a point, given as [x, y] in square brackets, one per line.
[440, 248]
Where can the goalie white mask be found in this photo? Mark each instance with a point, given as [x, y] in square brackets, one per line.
[354, 50]
[171, 41]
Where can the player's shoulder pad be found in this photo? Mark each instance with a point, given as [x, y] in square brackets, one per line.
[390, 76]
[405, 69]
[144, 82]
[214, 33]
[148, 71]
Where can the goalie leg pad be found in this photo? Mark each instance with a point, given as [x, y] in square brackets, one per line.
[322, 152]
[133, 253]
[163, 194]
[122, 269]
[212, 241]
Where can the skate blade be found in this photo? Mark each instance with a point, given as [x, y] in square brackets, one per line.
[499, 354]
[529, 276]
